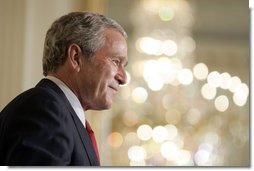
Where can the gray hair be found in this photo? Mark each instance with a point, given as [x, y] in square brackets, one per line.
[85, 29]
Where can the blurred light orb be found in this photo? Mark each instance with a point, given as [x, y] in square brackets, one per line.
[193, 116]
[200, 71]
[201, 157]
[115, 139]
[242, 91]
[221, 103]
[238, 101]
[167, 72]
[130, 118]
[159, 134]
[166, 13]
[150, 46]
[172, 131]
[235, 82]
[169, 48]
[139, 95]
[169, 150]
[214, 79]
[212, 138]
[188, 44]
[151, 70]
[184, 158]
[206, 147]
[136, 153]
[156, 85]
[225, 81]
[208, 91]
[185, 76]
[144, 132]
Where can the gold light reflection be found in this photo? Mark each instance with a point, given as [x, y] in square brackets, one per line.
[172, 131]
[235, 82]
[225, 81]
[185, 125]
[185, 76]
[166, 13]
[136, 153]
[208, 91]
[139, 95]
[193, 116]
[187, 45]
[130, 118]
[200, 71]
[115, 139]
[144, 132]
[221, 103]
[214, 79]
[169, 150]
[159, 134]
[151, 46]
[202, 157]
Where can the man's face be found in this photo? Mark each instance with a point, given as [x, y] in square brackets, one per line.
[101, 76]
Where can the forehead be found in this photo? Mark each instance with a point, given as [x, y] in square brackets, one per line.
[115, 43]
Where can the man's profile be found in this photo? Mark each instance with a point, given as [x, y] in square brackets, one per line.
[84, 61]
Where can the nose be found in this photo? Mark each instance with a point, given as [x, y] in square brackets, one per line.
[121, 76]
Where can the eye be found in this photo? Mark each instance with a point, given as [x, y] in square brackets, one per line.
[116, 62]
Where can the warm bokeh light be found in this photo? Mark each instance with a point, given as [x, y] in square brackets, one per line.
[139, 95]
[136, 153]
[166, 13]
[201, 157]
[169, 150]
[172, 131]
[130, 118]
[200, 71]
[168, 48]
[115, 139]
[187, 45]
[225, 81]
[184, 158]
[151, 46]
[193, 116]
[144, 132]
[221, 103]
[208, 91]
[159, 134]
[185, 76]
[214, 79]
[235, 82]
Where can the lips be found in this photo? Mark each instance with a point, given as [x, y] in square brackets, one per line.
[114, 88]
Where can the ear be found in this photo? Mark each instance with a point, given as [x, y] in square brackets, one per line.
[74, 56]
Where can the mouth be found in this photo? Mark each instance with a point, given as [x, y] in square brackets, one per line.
[114, 88]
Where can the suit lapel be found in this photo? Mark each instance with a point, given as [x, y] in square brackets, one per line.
[79, 126]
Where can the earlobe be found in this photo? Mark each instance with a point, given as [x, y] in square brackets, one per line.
[74, 56]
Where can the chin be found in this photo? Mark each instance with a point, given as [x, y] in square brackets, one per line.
[103, 106]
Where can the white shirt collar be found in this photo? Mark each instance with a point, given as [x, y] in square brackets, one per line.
[72, 98]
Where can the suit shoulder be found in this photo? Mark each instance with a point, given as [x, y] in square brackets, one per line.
[32, 97]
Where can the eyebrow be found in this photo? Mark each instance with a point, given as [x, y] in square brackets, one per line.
[124, 59]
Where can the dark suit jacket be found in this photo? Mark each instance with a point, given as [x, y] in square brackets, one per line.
[39, 127]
